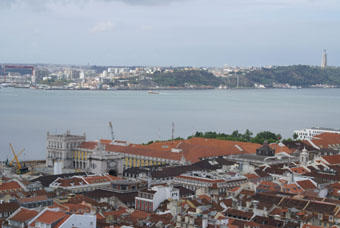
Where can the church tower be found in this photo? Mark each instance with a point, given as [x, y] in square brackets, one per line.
[304, 157]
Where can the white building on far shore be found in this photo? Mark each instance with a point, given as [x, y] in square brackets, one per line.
[309, 133]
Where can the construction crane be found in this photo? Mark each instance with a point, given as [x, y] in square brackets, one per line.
[11, 162]
[20, 169]
[111, 128]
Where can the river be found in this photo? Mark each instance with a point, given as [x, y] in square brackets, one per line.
[27, 114]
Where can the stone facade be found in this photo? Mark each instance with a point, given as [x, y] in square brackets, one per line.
[60, 147]
[100, 161]
[65, 149]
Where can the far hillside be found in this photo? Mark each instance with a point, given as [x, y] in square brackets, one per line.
[179, 78]
[298, 75]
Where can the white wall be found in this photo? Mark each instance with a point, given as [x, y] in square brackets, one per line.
[83, 221]
[163, 193]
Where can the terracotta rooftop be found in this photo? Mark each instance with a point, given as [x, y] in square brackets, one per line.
[325, 140]
[76, 207]
[299, 170]
[332, 159]
[79, 180]
[321, 207]
[292, 188]
[118, 212]
[279, 149]
[191, 149]
[250, 176]
[310, 226]
[306, 184]
[140, 214]
[96, 179]
[33, 199]
[62, 221]
[9, 186]
[49, 217]
[24, 215]
[9, 207]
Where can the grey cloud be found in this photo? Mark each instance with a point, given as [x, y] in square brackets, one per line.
[145, 2]
[42, 3]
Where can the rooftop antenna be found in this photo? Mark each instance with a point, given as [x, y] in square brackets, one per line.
[111, 128]
[173, 131]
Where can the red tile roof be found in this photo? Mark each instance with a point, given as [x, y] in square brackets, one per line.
[9, 207]
[325, 140]
[310, 226]
[306, 184]
[33, 199]
[268, 186]
[98, 179]
[100, 217]
[292, 188]
[62, 221]
[191, 149]
[140, 214]
[250, 176]
[49, 217]
[76, 208]
[10, 186]
[279, 149]
[299, 170]
[105, 141]
[332, 159]
[88, 145]
[67, 182]
[24, 215]
[119, 212]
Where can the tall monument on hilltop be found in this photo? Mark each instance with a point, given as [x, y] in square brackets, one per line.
[324, 59]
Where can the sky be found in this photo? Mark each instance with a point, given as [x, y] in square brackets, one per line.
[170, 32]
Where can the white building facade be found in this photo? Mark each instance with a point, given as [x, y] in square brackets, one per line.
[149, 200]
[309, 133]
[60, 147]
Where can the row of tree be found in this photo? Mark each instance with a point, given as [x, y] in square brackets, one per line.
[245, 137]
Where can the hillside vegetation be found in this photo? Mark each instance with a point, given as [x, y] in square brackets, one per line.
[295, 75]
[299, 75]
[179, 78]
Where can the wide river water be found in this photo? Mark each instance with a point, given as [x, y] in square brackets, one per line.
[26, 115]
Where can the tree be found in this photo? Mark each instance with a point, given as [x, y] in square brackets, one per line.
[248, 135]
[266, 136]
[295, 136]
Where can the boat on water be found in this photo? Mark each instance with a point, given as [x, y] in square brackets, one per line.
[152, 92]
[22, 86]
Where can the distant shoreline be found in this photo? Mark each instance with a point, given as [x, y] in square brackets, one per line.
[167, 89]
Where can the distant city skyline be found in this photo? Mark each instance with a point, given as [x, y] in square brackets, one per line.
[170, 32]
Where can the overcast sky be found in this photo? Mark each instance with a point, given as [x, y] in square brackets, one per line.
[170, 32]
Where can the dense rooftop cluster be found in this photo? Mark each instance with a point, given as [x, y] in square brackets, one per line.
[218, 184]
